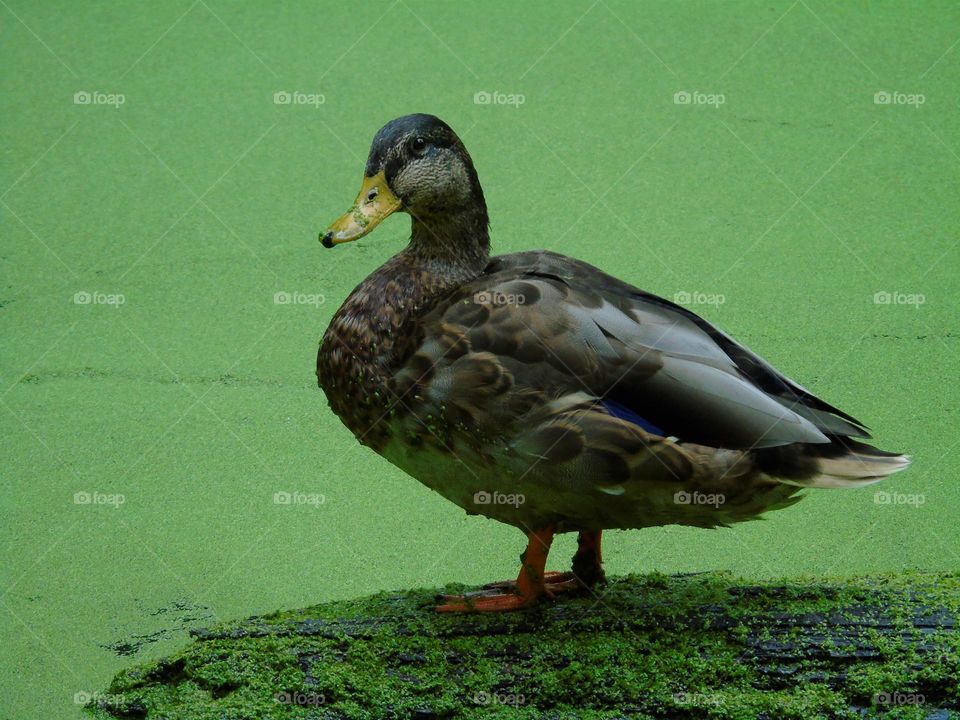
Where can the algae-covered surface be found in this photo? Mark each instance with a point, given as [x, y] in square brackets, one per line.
[700, 646]
[167, 461]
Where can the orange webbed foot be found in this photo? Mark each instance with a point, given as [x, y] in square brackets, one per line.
[553, 582]
[486, 602]
[533, 582]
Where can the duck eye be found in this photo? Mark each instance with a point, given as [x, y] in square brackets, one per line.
[418, 145]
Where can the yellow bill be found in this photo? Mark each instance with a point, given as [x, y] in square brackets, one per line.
[375, 202]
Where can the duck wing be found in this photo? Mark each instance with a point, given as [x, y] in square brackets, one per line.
[538, 326]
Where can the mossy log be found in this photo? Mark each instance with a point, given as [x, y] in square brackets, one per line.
[656, 646]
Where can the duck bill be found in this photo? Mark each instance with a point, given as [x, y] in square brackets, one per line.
[375, 202]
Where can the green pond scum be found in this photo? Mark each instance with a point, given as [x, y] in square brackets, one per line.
[654, 646]
[156, 199]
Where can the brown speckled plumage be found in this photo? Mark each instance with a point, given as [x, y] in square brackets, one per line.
[370, 336]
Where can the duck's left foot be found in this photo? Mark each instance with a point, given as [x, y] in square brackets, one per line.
[528, 589]
[533, 583]
[487, 601]
[554, 582]
[509, 595]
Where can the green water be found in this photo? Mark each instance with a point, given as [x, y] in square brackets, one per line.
[179, 395]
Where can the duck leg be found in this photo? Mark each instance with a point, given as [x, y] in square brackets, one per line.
[533, 581]
[525, 591]
[588, 561]
[587, 567]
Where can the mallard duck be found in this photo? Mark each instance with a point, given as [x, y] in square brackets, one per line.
[537, 390]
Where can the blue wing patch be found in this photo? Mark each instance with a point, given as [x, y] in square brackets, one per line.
[625, 413]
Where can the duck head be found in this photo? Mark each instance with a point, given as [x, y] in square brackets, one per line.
[418, 165]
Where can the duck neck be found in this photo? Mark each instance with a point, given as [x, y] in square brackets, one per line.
[456, 244]
[372, 332]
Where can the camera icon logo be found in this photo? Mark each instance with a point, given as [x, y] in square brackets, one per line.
[481, 497]
[282, 98]
[482, 97]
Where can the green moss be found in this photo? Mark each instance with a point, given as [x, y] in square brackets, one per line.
[655, 646]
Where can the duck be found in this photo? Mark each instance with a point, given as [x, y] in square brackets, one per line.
[537, 390]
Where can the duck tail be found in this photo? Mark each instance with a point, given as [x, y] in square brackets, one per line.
[841, 463]
[859, 464]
